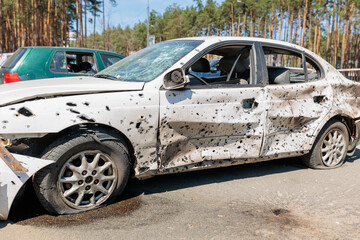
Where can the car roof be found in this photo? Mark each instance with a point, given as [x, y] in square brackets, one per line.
[213, 39]
[73, 49]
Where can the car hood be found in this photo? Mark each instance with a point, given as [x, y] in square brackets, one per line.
[45, 88]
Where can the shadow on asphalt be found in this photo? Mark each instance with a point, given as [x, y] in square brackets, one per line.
[177, 181]
[354, 157]
[30, 211]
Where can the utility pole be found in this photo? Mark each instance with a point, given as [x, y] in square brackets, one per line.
[148, 25]
[103, 24]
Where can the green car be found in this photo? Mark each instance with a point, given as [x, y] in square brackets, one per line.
[30, 63]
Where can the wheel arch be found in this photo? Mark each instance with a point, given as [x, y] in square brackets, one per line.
[37, 146]
[347, 120]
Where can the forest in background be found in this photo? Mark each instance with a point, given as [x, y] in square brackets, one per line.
[330, 28]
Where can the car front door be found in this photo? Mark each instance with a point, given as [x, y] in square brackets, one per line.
[200, 124]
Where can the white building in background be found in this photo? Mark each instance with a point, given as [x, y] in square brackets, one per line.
[72, 39]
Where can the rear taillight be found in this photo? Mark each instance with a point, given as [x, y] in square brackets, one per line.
[11, 77]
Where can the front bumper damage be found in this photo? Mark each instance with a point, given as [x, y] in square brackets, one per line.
[15, 170]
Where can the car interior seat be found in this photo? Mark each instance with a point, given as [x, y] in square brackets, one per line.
[85, 67]
[241, 72]
[74, 68]
[202, 65]
[278, 75]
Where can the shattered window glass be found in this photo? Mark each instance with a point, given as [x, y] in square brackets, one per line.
[285, 67]
[58, 63]
[147, 64]
[109, 60]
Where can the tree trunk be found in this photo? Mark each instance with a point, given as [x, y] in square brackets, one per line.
[77, 23]
[336, 41]
[275, 23]
[104, 23]
[281, 22]
[22, 24]
[343, 47]
[81, 24]
[1, 28]
[291, 25]
[60, 41]
[252, 23]
[304, 23]
[348, 37]
[238, 25]
[244, 24]
[298, 26]
[332, 35]
[271, 22]
[319, 30]
[94, 27]
[37, 19]
[64, 40]
[85, 9]
[288, 26]
[327, 39]
[14, 29]
[232, 20]
[310, 33]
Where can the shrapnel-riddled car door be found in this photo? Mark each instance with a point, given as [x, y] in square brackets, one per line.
[201, 125]
[298, 99]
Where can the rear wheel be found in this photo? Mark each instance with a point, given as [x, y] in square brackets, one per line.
[87, 173]
[330, 147]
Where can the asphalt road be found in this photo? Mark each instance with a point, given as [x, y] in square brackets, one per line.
[271, 200]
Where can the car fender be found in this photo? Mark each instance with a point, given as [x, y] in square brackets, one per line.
[12, 180]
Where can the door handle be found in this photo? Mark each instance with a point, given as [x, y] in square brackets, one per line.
[249, 103]
[320, 99]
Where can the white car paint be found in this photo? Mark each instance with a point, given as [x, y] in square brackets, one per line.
[11, 182]
[185, 129]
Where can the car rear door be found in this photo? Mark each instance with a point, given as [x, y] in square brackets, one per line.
[298, 100]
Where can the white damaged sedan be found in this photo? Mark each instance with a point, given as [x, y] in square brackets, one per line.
[159, 111]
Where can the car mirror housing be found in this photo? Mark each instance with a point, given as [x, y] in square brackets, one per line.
[175, 79]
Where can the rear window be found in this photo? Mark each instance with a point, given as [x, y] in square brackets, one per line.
[10, 63]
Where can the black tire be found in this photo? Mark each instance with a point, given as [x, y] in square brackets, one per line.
[324, 155]
[70, 151]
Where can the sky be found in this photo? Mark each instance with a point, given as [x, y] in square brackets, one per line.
[130, 12]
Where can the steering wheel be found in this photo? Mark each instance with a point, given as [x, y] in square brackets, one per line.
[199, 78]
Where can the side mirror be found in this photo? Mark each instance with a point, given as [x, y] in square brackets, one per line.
[175, 79]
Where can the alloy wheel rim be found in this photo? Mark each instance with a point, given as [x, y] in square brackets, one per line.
[333, 148]
[87, 179]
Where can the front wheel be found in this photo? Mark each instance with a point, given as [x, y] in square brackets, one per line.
[87, 174]
[330, 147]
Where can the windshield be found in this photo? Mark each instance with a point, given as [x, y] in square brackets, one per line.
[150, 62]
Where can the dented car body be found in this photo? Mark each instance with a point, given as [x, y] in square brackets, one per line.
[149, 115]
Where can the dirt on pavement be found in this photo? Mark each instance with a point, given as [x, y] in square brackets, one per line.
[272, 200]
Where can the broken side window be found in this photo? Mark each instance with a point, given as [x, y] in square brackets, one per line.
[58, 62]
[226, 65]
[286, 67]
[81, 62]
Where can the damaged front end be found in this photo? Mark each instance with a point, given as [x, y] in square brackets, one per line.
[15, 170]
